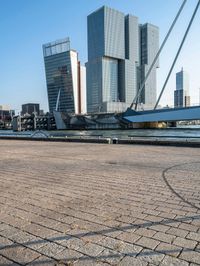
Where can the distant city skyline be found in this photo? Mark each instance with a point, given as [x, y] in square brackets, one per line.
[26, 25]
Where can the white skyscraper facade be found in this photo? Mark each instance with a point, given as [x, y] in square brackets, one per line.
[114, 58]
[181, 94]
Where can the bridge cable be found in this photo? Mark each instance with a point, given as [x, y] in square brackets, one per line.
[177, 55]
[135, 101]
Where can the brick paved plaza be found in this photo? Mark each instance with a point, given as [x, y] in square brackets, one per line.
[98, 204]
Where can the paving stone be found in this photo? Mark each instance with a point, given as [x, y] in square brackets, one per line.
[51, 249]
[23, 237]
[68, 256]
[4, 226]
[14, 221]
[160, 228]
[167, 215]
[36, 244]
[77, 232]
[130, 261]
[164, 237]
[19, 254]
[177, 232]
[4, 242]
[65, 228]
[113, 233]
[194, 236]
[129, 249]
[111, 243]
[94, 238]
[189, 227]
[60, 238]
[110, 256]
[151, 256]
[148, 242]
[39, 230]
[10, 232]
[129, 237]
[72, 242]
[169, 249]
[88, 261]
[190, 256]
[198, 248]
[91, 249]
[153, 218]
[145, 232]
[185, 243]
[171, 261]
[44, 261]
[6, 262]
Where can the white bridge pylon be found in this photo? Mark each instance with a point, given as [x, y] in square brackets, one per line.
[163, 115]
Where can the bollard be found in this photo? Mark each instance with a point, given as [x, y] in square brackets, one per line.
[109, 140]
[115, 140]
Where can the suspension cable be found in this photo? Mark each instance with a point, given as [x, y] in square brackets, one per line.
[135, 101]
[177, 55]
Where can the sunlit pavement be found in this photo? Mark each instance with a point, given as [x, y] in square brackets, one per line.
[98, 204]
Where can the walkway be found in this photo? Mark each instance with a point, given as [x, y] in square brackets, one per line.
[98, 204]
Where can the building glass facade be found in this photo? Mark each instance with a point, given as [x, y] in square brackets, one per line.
[181, 94]
[149, 39]
[30, 108]
[61, 67]
[115, 53]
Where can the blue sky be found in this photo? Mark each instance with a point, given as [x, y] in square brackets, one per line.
[27, 24]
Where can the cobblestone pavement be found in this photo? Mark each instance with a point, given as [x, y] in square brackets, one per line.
[96, 204]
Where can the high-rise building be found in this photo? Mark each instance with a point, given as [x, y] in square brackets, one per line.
[149, 45]
[30, 108]
[64, 77]
[114, 57]
[181, 94]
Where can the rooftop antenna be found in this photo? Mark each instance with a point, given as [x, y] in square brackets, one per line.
[141, 87]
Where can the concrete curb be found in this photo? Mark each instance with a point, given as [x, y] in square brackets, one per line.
[113, 141]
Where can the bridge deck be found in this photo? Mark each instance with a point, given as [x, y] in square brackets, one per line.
[164, 115]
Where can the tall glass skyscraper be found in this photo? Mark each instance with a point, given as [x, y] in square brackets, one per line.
[106, 46]
[114, 55]
[181, 94]
[63, 77]
[149, 45]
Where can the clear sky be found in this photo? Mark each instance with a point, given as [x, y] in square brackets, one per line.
[27, 24]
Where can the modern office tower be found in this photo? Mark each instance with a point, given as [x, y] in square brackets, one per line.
[65, 84]
[181, 94]
[149, 45]
[114, 59]
[30, 108]
[106, 46]
[131, 62]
